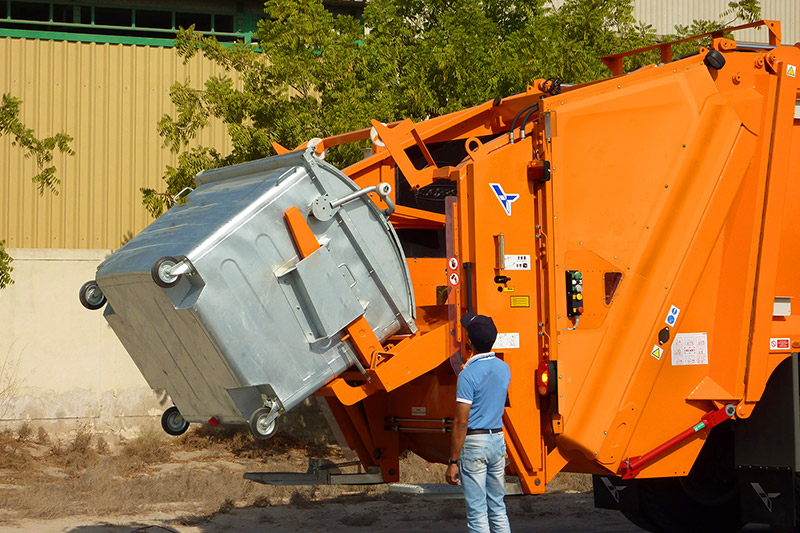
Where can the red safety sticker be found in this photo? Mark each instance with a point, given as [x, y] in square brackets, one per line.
[780, 344]
[453, 279]
[453, 263]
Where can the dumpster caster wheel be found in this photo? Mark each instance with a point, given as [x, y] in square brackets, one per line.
[161, 274]
[91, 296]
[261, 428]
[173, 422]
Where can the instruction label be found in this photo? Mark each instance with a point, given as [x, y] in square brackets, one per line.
[690, 349]
[780, 344]
[520, 301]
[518, 262]
[791, 71]
[506, 341]
[419, 411]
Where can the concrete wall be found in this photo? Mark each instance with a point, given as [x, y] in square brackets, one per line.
[60, 363]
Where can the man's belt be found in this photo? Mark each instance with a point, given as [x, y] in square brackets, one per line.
[484, 431]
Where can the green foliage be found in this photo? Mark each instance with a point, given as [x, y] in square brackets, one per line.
[315, 75]
[41, 149]
[5, 266]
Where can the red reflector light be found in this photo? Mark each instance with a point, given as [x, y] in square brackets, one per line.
[543, 378]
[213, 421]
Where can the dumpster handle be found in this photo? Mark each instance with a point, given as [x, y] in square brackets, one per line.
[175, 198]
[383, 190]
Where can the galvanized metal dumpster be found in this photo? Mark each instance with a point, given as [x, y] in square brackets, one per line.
[239, 321]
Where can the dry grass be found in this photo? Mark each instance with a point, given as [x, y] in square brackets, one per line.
[197, 476]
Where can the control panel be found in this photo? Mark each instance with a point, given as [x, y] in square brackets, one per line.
[574, 293]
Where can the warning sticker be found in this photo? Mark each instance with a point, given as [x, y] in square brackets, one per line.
[791, 71]
[453, 279]
[453, 263]
[520, 301]
[690, 349]
[518, 262]
[672, 316]
[506, 341]
[780, 344]
[419, 411]
[657, 351]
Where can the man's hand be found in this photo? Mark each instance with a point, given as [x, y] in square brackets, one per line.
[451, 473]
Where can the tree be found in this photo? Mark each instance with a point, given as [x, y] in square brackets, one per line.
[314, 75]
[40, 149]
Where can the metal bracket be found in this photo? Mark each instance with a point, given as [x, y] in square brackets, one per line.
[320, 472]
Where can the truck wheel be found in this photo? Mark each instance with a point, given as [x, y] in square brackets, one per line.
[173, 422]
[261, 429]
[160, 272]
[91, 296]
[705, 500]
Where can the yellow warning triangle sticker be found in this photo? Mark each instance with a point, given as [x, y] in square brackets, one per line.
[791, 71]
[657, 352]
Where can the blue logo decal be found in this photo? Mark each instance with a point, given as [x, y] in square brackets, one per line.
[505, 199]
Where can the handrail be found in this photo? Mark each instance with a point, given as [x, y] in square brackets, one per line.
[614, 62]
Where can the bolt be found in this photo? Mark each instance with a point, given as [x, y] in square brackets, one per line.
[619, 86]
[666, 186]
[580, 243]
[605, 433]
[560, 377]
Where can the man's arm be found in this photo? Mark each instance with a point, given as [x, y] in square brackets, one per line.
[457, 436]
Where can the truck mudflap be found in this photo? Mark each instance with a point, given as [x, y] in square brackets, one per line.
[767, 449]
[237, 302]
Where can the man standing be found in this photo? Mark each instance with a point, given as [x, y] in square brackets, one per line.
[477, 445]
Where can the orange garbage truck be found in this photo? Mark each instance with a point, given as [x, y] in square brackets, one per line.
[636, 240]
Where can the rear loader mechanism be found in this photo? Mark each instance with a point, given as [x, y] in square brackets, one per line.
[633, 238]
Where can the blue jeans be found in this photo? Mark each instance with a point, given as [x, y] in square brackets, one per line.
[482, 465]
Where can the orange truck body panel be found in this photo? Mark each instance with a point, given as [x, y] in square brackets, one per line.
[677, 181]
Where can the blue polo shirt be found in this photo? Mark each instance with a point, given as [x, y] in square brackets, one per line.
[484, 385]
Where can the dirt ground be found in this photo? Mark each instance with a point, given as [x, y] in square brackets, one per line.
[194, 484]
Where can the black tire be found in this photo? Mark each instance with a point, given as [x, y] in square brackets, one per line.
[705, 500]
[173, 423]
[159, 274]
[91, 296]
[258, 429]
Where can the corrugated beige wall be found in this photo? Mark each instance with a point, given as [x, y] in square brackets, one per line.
[663, 15]
[109, 98]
